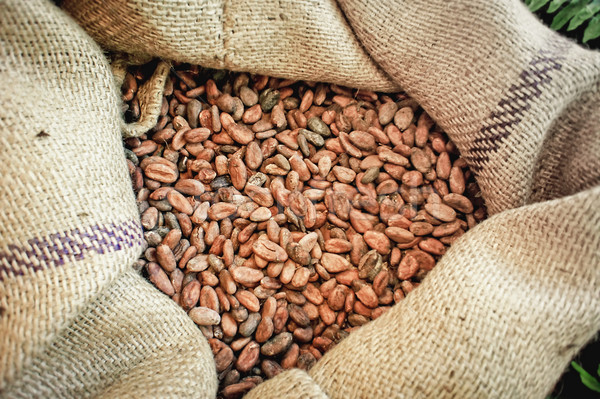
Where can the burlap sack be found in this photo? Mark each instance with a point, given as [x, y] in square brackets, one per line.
[516, 297]
[75, 319]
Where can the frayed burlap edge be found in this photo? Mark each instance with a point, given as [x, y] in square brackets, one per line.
[149, 95]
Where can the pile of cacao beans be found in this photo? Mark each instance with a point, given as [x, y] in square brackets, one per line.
[282, 215]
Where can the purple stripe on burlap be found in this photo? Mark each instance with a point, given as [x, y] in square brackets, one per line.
[511, 109]
[72, 245]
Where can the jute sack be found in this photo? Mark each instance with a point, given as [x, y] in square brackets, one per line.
[516, 297]
[75, 319]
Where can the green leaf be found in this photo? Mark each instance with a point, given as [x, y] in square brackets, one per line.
[586, 13]
[567, 13]
[586, 378]
[537, 4]
[555, 5]
[591, 32]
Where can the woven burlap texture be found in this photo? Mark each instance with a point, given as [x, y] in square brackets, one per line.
[298, 39]
[75, 320]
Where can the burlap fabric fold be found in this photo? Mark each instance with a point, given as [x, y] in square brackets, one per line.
[298, 39]
[149, 95]
[75, 319]
[515, 298]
